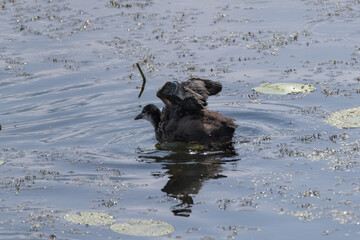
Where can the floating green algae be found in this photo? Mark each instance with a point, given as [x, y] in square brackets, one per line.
[284, 88]
[143, 227]
[348, 118]
[90, 218]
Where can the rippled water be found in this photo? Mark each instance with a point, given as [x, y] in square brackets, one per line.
[68, 96]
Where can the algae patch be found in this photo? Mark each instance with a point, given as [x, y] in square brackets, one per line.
[143, 227]
[90, 218]
[135, 227]
[348, 118]
[284, 88]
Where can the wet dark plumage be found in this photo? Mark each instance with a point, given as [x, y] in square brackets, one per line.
[185, 117]
[191, 94]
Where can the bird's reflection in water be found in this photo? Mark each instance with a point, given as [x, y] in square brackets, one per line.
[188, 167]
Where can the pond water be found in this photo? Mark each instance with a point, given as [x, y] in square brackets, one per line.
[69, 92]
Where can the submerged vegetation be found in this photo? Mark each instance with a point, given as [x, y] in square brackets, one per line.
[135, 227]
[284, 88]
[90, 218]
[348, 118]
[143, 228]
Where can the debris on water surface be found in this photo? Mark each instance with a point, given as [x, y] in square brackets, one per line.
[144, 80]
[339, 159]
[2, 162]
[90, 218]
[284, 88]
[348, 118]
[143, 227]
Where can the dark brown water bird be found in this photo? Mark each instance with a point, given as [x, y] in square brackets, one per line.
[185, 118]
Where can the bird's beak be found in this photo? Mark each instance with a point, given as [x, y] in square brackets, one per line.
[140, 116]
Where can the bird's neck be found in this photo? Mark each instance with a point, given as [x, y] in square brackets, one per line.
[155, 120]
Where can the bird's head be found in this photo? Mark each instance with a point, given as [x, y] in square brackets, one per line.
[150, 113]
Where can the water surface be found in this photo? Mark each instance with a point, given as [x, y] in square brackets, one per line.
[68, 95]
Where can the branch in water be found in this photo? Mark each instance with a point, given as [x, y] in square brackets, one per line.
[144, 80]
